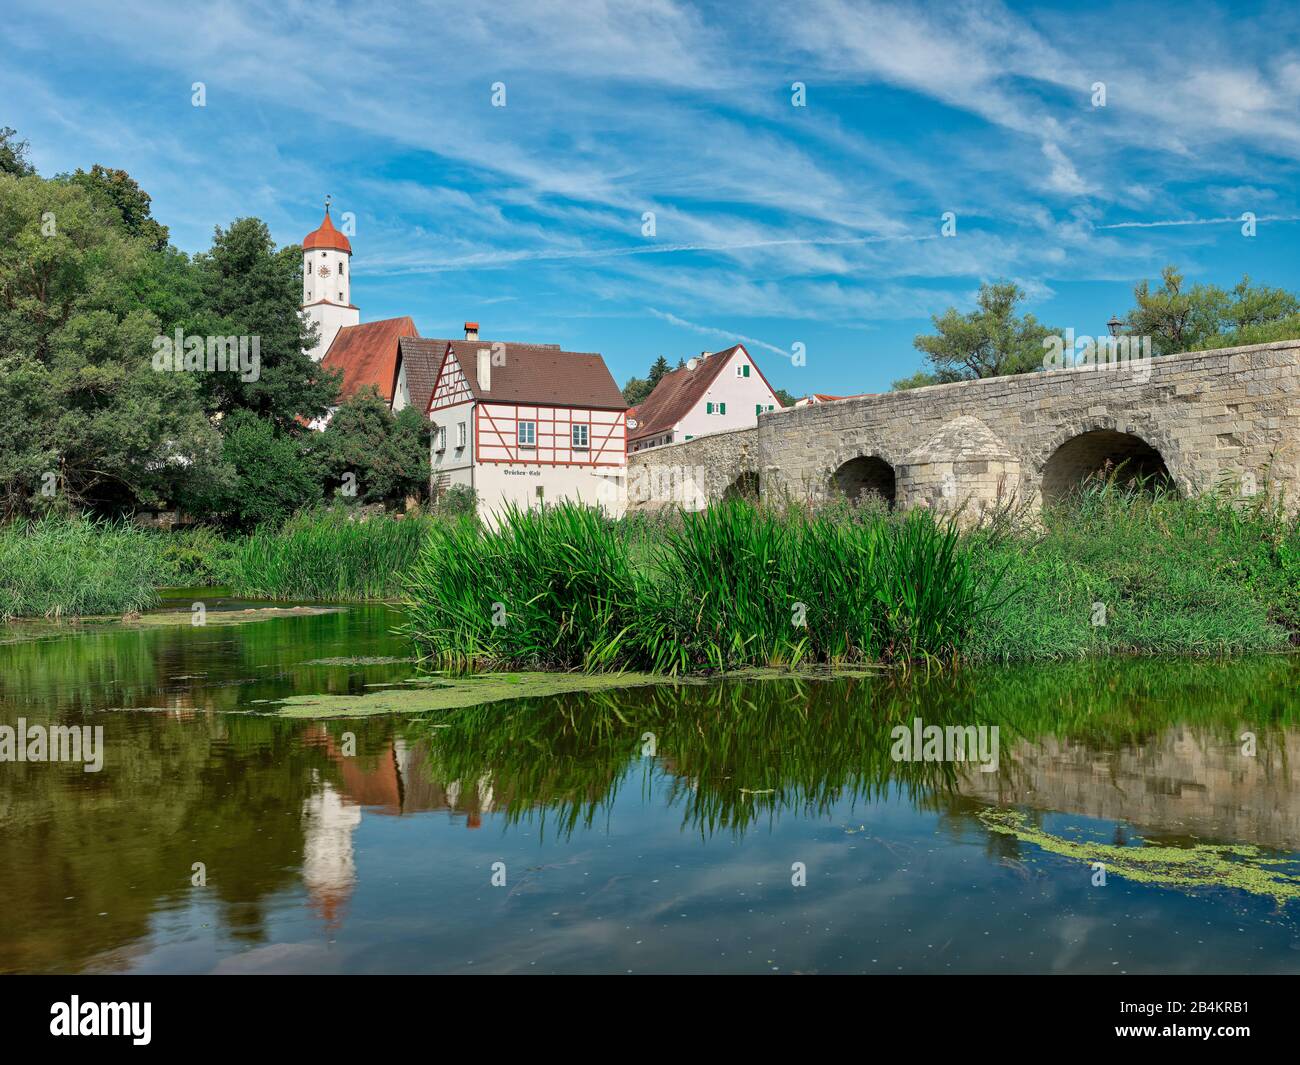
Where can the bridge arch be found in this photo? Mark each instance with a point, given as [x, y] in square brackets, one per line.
[859, 475]
[1098, 449]
[745, 486]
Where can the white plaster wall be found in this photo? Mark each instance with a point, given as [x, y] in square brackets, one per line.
[740, 394]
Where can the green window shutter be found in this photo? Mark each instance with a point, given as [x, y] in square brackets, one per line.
[758, 408]
[708, 408]
[746, 369]
[722, 408]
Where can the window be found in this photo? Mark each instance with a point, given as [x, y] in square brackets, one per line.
[528, 434]
[715, 408]
[344, 266]
[440, 439]
[581, 437]
[742, 369]
[461, 434]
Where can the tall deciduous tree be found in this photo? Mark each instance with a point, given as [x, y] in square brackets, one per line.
[81, 403]
[386, 454]
[251, 289]
[990, 341]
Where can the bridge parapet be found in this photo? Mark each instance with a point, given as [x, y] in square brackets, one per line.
[1203, 419]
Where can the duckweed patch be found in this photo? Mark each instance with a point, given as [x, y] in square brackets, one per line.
[1240, 866]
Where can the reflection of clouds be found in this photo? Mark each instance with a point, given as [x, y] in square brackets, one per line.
[329, 869]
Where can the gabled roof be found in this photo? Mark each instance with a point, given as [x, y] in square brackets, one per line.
[677, 393]
[540, 374]
[326, 236]
[367, 355]
[422, 359]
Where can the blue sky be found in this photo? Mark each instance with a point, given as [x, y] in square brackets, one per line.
[775, 224]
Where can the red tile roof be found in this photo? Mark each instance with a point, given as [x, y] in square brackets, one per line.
[678, 392]
[326, 236]
[367, 355]
[541, 374]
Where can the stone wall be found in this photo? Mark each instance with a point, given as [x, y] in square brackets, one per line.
[693, 472]
[1212, 416]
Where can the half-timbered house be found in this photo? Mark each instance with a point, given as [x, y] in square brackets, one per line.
[527, 424]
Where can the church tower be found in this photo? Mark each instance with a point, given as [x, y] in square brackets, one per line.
[327, 283]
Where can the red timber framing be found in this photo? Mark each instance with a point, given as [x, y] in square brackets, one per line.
[496, 432]
[450, 388]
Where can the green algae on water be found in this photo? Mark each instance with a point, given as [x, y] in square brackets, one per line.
[1240, 866]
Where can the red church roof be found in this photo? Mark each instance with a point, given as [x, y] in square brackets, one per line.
[367, 355]
[327, 237]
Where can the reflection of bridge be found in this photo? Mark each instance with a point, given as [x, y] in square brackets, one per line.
[1183, 782]
[1202, 419]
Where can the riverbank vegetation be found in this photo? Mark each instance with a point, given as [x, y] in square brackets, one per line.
[1118, 569]
[732, 586]
[1138, 570]
[328, 554]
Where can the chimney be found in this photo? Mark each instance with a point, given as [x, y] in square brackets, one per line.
[471, 330]
[484, 367]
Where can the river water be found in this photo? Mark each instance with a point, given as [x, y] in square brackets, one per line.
[1143, 816]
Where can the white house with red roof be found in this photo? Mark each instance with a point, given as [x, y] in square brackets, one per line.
[517, 423]
[528, 424]
[713, 393]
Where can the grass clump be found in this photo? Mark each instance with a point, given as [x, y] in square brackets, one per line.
[735, 585]
[330, 554]
[60, 567]
[1135, 569]
[550, 588]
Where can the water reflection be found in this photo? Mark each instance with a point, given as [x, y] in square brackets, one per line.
[321, 833]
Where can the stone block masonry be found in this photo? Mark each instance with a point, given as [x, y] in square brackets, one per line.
[1204, 419]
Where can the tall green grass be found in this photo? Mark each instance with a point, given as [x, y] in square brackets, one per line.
[328, 554]
[1207, 575]
[57, 567]
[734, 585]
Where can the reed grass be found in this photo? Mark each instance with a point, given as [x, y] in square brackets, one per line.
[329, 554]
[57, 567]
[732, 586]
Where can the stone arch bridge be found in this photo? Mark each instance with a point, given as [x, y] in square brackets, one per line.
[1229, 417]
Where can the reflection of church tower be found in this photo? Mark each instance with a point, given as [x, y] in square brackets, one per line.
[329, 871]
[327, 283]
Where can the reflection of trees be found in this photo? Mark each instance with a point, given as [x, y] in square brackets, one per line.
[734, 754]
[92, 666]
[224, 790]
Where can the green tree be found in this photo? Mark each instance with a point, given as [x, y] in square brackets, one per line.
[274, 474]
[1178, 318]
[386, 454]
[13, 154]
[121, 191]
[636, 391]
[250, 289]
[82, 403]
[990, 341]
[658, 370]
